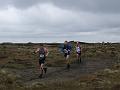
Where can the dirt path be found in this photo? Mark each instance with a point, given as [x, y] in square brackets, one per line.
[61, 74]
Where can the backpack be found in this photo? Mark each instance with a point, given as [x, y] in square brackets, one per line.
[42, 52]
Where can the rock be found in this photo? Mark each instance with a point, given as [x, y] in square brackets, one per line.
[109, 71]
[2, 71]
[83, 84]
[38, 84]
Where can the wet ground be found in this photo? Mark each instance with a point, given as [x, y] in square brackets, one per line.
[55, 74]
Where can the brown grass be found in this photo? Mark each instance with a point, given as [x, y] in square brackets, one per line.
[22, 56]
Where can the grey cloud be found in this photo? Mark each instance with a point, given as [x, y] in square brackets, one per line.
[112, 32]
[96, 6]
[57, 20]
[21, 4]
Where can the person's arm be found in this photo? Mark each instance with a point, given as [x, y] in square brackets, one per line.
[46, 51]
[37, 50]
[80, 49]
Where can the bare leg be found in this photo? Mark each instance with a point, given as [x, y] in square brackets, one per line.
[45, 69]
[78, 58]
[68, 62]
[41, 70]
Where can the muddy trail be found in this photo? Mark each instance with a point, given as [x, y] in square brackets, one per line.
[57, 74]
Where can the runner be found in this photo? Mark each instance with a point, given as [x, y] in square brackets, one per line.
[67, 50]
[78, 51]
[43, 52]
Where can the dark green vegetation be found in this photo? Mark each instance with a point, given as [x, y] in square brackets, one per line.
[18, 71]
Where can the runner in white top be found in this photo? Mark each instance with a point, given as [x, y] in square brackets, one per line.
[78, 52]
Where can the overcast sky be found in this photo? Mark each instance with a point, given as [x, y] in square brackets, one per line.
[59, 20]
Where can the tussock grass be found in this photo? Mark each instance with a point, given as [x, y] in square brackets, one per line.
[22, 56]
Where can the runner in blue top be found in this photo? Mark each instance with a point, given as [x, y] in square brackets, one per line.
[66, 50]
